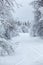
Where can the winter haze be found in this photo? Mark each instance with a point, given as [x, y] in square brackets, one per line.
[25, 12]
[21, 32]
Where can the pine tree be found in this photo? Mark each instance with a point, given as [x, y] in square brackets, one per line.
[6, 25]
[37, 18]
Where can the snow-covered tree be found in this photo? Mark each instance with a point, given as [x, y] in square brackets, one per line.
[7, 26]
[6, 48]
[6, 6]
[38, 4]
[6, 16]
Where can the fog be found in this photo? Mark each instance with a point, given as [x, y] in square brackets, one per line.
[24, 12]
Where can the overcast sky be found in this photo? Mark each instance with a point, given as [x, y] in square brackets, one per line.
[25, 12]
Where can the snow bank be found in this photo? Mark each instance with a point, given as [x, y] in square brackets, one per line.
[28, 51]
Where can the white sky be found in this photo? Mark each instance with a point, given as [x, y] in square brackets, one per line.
[25, 12]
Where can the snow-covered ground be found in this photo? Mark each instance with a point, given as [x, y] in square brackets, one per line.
[28, 51]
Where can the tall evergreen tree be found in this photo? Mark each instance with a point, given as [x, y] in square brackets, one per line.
[6, 26]
[37, 24]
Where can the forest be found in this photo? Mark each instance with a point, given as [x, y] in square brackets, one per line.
[21, 42]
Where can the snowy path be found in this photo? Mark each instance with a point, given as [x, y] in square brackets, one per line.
[28, 51]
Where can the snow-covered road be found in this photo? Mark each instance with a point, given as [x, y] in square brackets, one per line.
[28, 51]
